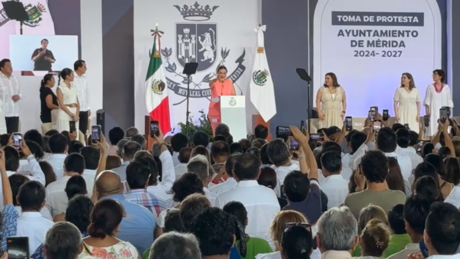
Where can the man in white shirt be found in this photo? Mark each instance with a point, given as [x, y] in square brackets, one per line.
[81, 85]
[178, 142]
[184, 157]
[31, 223]
[129, 150]
[230, 183]
[199, 165]
[57, 200]
[10, 94]
[260, 202]
[334, 185]
[91, 156]
[58, 145]
[408, 142]
[279, 154]
[442, 231]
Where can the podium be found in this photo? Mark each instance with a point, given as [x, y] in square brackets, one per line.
[233, 114]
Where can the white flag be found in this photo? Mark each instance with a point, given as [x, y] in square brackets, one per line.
[261, 88]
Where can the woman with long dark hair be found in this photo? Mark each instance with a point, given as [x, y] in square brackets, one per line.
[219, 86]
[407, 102]
[331, 102]
[68, 102]
[49, 103]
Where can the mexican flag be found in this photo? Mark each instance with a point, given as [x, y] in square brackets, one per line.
[156, 92]
[261, 87]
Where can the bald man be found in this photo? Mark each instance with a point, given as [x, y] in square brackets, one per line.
[138, 226]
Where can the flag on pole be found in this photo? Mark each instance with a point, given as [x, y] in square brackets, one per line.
[261, 87]
[156, 92]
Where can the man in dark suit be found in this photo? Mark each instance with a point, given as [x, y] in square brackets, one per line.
[43, 57]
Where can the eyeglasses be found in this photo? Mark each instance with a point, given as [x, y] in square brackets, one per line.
[296, 224]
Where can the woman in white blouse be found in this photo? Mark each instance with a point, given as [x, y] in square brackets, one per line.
[438, 95]
[68, 102]
[407, 102]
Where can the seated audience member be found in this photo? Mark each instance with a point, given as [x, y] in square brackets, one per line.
[199, 166]
[387, 142]
[411, 150]
[48, 171]
[374, 239]
[245, 144]
[442, 231]
[219, 138]
[31, 223]
[16, 181]
[200, 138]
[230, 182]
[131, 131]
[427, 188]
[138, 138]
[137, 177]
[254, 245]
[452, 166]
[141, 154]
[35, 136]
[74, 187]
[37, 152]
[258, 143]
[279, 154]
[427, 149]
[78, 213]
[75, 146]
[138, 222]
[175, 245]
[91, 156]
[115, 135]
[201, 150]
[268, 179]
[261, 132]
[112, 162]
[216, 232]
[63, 240]
[191, 206]
[425, 169]
[356, 141]
[260, 201]
[103, 238]
[297, 243]
[183, 158]
[437, 162]
[224, 130]
[399, 237]
[334, 185]
[395, 179]
[365, 215]
[303, 195]
[334, 223]
[265, 160]
[120, 146]
[129, 150]
[58, 147]
[416, 210]
[178, 142]
[219, 154]
[374, 168]
[173, 222]
[254, 151]
[235, 148]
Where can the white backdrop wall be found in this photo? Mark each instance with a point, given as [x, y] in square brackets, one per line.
[91, 45]
[233, 23]
[368, 44]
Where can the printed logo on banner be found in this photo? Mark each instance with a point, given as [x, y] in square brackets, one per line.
[34, 11]
[260, 77]
[197, 42]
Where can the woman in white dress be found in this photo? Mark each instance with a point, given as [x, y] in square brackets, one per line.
[438, 95]
[407, 102]
[331, 102]
[69, 107]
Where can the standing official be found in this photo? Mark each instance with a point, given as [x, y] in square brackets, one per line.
[10, 93]
[81, 85]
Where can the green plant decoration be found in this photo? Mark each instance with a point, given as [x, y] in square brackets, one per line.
[202, 124]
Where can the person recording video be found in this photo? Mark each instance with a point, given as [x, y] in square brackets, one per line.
[43, 57]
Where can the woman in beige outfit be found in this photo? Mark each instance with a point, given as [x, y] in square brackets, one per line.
[331, 103]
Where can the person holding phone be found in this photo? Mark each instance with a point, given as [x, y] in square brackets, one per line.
[68, 102]
[49, 103]
[438, 95]
[331, 103]
[407, 102]
[220, 86]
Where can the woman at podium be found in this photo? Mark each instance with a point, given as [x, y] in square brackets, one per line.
[221, 86]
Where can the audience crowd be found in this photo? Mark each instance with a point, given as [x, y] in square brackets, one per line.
[384, 193]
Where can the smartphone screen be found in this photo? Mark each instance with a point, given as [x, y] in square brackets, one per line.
[154, 129]
[426, 120]
[302, 125]
[377, 126]
[95, 133]
[293, 144]
[348, 123]
[17, 247]
[17, 140]
[315, 137]
[283, 131]
[371, 115]
[72, 126]
[385, 115]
